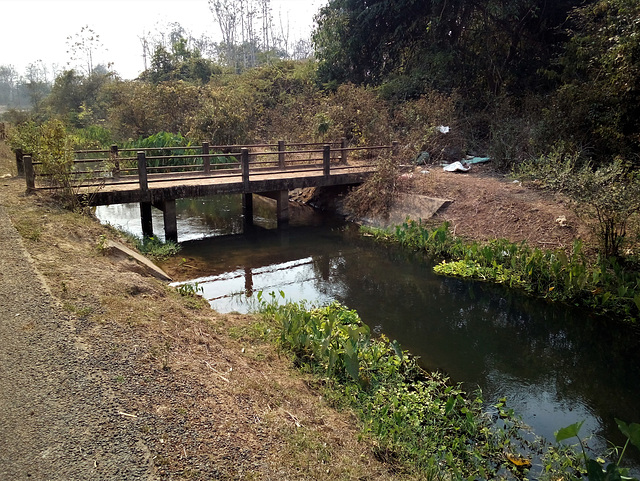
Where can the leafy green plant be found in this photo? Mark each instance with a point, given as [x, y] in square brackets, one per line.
[155, 248]
[603, 284]
[594, 468]
[51, 148]
[496, 273]
[417, 418]
[189, 290]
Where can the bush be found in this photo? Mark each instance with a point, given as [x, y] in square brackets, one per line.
[416, 122]
[611, 196]
[50, 145]
[375, 196]
[355, 113]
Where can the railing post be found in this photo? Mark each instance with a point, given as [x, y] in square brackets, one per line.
[244, 162]
[343, 146]
[29, 174]
[326, 160]
[206, 160]
[20, 162]
[281, 147]
[395, 149]
[142, 171]
[113, 154]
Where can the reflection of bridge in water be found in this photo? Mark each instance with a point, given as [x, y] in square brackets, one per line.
[105, 177]
[237, 288]
[248, 272]
[231, 270]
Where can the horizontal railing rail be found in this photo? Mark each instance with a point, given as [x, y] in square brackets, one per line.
[166, 164]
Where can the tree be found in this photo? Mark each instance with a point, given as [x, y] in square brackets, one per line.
[600, 71]
[179, 63]
[483, 49]
[248, 34]
[177, 55]
[78, 98]
[36, 83]
[82, 48]
[8, 80]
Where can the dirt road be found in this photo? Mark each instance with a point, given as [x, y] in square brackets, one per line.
[57, 422]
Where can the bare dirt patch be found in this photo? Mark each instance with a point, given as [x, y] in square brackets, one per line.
[487, 206]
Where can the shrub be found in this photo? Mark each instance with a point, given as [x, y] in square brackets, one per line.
[375, 196]
[607, 197]
[611, 196]
[416, 123]
[357, 114]
[50, 145]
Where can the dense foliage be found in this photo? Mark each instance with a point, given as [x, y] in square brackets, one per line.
[410, 46]
[541, 71]
[420, 424]
[517, 77]
[599, 94]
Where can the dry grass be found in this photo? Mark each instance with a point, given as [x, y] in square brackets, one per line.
[7, 160]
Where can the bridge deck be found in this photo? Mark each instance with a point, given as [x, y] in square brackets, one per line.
[163, 187]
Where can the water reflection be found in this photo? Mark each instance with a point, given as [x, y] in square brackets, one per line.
[197, 218]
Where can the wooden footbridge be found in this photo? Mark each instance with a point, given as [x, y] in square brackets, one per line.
[158, 177]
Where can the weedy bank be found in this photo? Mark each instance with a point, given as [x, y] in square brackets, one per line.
[605, 285]
[419, 421]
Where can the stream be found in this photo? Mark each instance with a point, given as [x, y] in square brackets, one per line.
[556, 365]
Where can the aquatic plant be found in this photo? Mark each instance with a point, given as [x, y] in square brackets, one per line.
[153, 247]
[603, 284]
[595, 468]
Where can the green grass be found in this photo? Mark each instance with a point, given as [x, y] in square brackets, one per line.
[154, 248]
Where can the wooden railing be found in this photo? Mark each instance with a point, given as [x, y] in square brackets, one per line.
[119, 166]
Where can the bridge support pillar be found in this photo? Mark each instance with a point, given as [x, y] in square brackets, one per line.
[248, 282]
[282, 209]
[145, 217]
[282, 206]
[168, 208]
[247, 211]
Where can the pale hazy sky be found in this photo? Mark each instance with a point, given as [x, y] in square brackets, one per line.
[32, 30]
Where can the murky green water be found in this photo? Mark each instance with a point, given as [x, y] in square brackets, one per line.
[554, 364]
